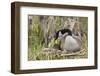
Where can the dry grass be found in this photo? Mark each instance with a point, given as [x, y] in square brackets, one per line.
[36, 49]
[54, 54]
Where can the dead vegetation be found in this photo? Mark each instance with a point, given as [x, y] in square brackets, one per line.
[41, 32]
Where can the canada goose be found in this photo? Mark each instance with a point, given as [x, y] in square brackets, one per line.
[69, 41]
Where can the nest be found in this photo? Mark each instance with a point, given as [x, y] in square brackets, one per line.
[62, 53]
[55, 54]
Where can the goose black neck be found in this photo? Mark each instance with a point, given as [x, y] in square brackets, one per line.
[63, 31]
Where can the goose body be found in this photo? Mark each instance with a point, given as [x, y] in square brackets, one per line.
[69, 42]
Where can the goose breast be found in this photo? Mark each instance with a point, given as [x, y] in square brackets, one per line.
[71, 44]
